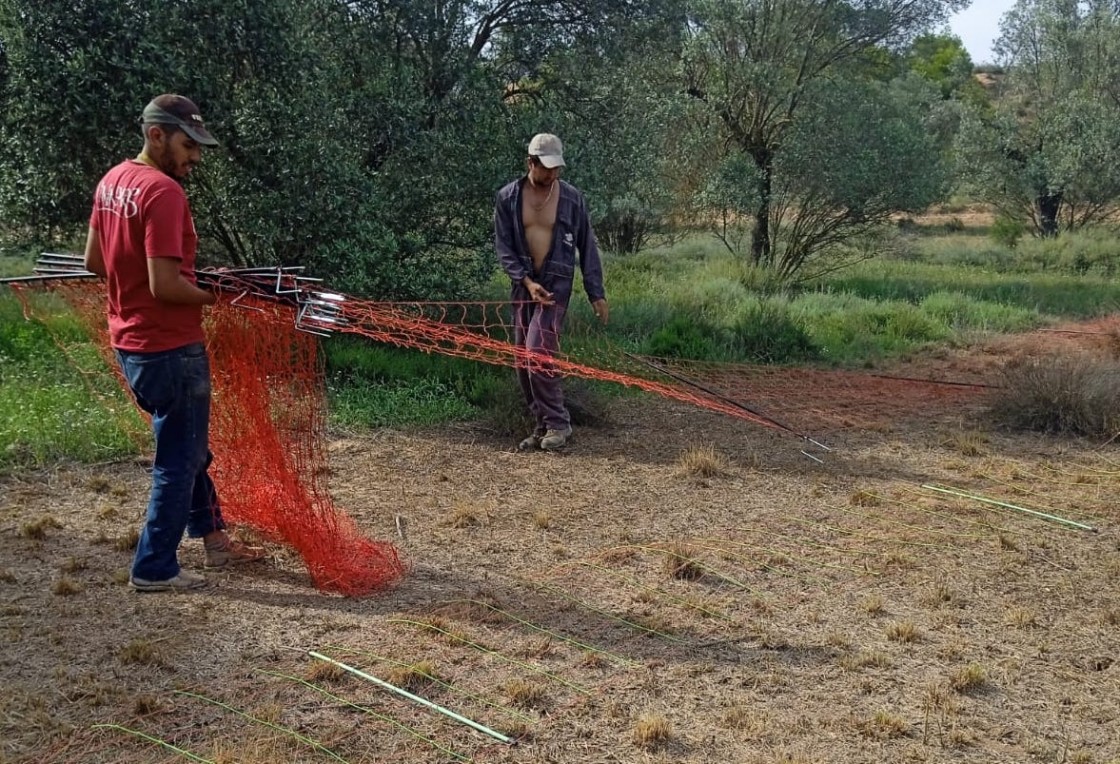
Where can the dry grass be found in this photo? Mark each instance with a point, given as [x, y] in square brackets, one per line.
[542, 520]
[968, 678]
[413, 677]
[66, 587]
[703, 462]
[872, 604]
[680, 563]
[652, 731]
[1061, 393]
[321, 671]
[967, 442]
[903, 631]
[464, 516]
[141, 652]
[864, 497]
[525, 694]
[127, 542]
[796, 665]
[37, 529]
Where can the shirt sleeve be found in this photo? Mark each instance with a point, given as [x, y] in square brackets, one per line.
[505, 240]
[163, 223]
[590, 264]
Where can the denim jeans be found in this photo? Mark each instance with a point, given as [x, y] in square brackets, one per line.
[174, 387]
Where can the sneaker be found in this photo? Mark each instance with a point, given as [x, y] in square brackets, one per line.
[555, 439]
[533, 442]
[185, 580]
[227, 551]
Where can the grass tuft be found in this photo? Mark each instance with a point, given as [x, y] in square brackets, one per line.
[66, 587]
[679, 563]
[140, 652]
[37, 529]
[903, 631]
[703, 462]
[968, 678]
[652, 731]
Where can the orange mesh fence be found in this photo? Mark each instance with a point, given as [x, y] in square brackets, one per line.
[267, 435]
[269, 405]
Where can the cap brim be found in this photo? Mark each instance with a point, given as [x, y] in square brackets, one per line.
[199, 134]
[551, 161]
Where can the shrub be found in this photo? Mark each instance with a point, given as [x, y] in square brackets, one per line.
[1007, 231]
[1063, 394]
[683, 337]
[767, 333]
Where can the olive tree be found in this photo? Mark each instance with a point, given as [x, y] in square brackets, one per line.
[1048, 150]
[761, 68]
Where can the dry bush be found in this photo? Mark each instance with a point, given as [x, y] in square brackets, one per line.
[1061, 394]
[703, 462]
[542, 520]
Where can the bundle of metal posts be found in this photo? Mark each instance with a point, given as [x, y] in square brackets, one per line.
[317, 312]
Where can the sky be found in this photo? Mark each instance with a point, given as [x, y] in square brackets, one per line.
[978, 27]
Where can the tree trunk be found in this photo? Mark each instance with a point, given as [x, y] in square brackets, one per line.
[762, 250]
[1049, 205]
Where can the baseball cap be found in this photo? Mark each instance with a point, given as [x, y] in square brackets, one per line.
[180, 111]
[547, 148]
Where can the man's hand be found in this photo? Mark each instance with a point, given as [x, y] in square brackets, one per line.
[538, 292]
[601, 310]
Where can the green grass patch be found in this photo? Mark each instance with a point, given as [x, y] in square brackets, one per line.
[49, 411]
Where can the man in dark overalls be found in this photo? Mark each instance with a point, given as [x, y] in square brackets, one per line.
[541, 226]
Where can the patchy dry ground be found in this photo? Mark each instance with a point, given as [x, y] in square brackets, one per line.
[676, 587]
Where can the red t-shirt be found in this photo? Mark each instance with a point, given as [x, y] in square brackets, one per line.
[140, 212]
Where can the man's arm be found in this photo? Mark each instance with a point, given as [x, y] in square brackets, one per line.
[505, 237]
[94, 261]
[590, 264]
[168, 285]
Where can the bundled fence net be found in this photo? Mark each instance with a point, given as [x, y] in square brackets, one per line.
[268, 438]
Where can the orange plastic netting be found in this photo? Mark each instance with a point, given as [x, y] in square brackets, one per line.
[268, 419]
[267, 436]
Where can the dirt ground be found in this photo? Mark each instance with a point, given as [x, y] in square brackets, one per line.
[676, 586]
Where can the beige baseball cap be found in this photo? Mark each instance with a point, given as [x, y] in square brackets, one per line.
[548, 149]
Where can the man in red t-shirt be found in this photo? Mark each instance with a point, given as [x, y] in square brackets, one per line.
[142, 240]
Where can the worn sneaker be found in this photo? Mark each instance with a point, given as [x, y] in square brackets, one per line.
[533, 442]
[555, 439]
[227, 551]
[185, 580]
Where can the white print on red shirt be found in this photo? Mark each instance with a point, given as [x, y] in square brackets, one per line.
[118, 200]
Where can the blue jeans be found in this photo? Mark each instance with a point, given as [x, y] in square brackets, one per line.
[174, 387]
